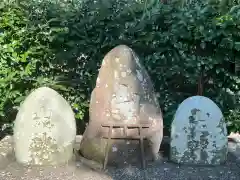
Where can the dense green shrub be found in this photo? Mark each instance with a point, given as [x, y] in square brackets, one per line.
[28, 60]
[189, 49]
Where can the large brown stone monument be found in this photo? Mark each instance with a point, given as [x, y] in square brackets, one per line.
[123, 94]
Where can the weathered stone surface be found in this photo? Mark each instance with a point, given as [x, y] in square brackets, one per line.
[124, 93]
[44, 129]
[199, 134]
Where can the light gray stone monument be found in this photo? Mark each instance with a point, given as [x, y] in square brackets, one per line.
[44, 129]
[198, 134]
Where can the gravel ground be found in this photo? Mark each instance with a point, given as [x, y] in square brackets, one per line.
[170, 171]
[154, 171]
[79, 169]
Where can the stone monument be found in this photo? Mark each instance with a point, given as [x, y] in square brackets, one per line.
[44, 129]
[123, 94]
[198, 134]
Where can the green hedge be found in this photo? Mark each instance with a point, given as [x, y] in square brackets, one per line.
[188, 49]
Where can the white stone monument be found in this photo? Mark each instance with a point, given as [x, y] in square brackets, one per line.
[198, 134]
[44, 129]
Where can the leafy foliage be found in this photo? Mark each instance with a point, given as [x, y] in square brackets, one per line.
[189, 49]
[28, 60]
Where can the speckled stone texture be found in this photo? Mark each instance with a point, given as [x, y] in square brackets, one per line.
[124, 94]
[44, 129]
[199, 134]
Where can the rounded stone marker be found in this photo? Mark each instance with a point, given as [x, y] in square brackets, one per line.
[124, 94]
[199, 134]
[44, 129]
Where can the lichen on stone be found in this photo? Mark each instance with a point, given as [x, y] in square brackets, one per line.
[42, 148]
[198, 133]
